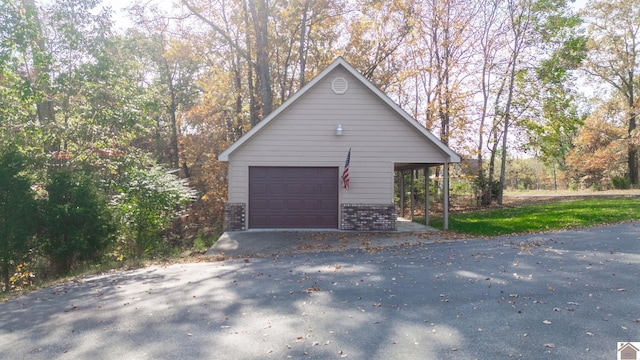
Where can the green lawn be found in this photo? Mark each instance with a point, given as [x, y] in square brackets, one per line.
[542, 217]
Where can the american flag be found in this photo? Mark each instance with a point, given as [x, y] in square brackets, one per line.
[345, 172]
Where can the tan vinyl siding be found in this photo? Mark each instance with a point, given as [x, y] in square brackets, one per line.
[304, 135]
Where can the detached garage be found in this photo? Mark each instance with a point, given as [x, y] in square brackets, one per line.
[325, 159]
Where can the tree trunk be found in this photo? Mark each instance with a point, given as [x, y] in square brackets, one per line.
[632, 149]
[488, 190]
[507, 119]
[173, 108]
[519, 23]
[260, 21]
[302, 50]
[253, 109]
[482, 180]
[488, 194]
[260, 17]
[42, 80]
[632, 154]
[5, 275]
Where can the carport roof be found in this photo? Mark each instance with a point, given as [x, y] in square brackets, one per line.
[413, 166]
[340, 61]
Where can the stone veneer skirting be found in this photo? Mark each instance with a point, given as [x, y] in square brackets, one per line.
[234, 214]
[368, 217]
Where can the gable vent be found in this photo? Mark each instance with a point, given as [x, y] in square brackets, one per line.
[339, 85]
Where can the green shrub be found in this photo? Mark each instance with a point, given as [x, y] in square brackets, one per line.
[620, 182]
[483, 187]
[18, 214]
[202, 242]
[78, 225]
[595, 187]
[148, 201]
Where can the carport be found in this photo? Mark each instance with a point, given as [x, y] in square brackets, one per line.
[404, 189]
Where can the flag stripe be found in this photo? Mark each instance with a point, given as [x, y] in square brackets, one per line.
[345, 172]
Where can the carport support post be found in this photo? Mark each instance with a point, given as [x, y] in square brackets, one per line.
[426, 195]
[401, 190]
[412, 192]
[445, 196]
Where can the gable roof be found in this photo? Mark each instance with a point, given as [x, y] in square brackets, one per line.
[340, 61]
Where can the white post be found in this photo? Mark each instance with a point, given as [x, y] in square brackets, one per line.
[426, 195]
[412, 192]
[445, 196]
[401, 189]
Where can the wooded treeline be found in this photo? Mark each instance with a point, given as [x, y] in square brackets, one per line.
[127, 124]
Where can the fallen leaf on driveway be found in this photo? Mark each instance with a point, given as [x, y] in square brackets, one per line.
[311, 289]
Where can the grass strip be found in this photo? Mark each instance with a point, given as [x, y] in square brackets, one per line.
[565, 214]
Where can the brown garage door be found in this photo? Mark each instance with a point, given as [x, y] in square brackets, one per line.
[293, 197]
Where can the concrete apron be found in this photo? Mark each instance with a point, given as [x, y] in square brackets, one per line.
[261, 242]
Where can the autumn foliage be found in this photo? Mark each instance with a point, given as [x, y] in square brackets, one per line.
[599, 149]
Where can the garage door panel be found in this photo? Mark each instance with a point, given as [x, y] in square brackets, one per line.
[325, 205]
[322, 221]
[293, 197]
[275, 205]
[294, 205]
[276, 189]
[310, 172]
[259, 189]
[262, 173]
[311, 204]
[295, 189]
[325, 189]
[310, 189]
[292, 172]
[260, 204]
[270, 174]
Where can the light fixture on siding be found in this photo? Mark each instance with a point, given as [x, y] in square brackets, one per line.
[339, 130]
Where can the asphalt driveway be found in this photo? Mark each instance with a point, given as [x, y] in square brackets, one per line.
[561, 295]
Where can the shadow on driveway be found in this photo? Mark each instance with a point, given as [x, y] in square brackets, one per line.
[557, 295]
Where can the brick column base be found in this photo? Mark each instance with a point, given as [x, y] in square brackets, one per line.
[234, 216]
[368, 217]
